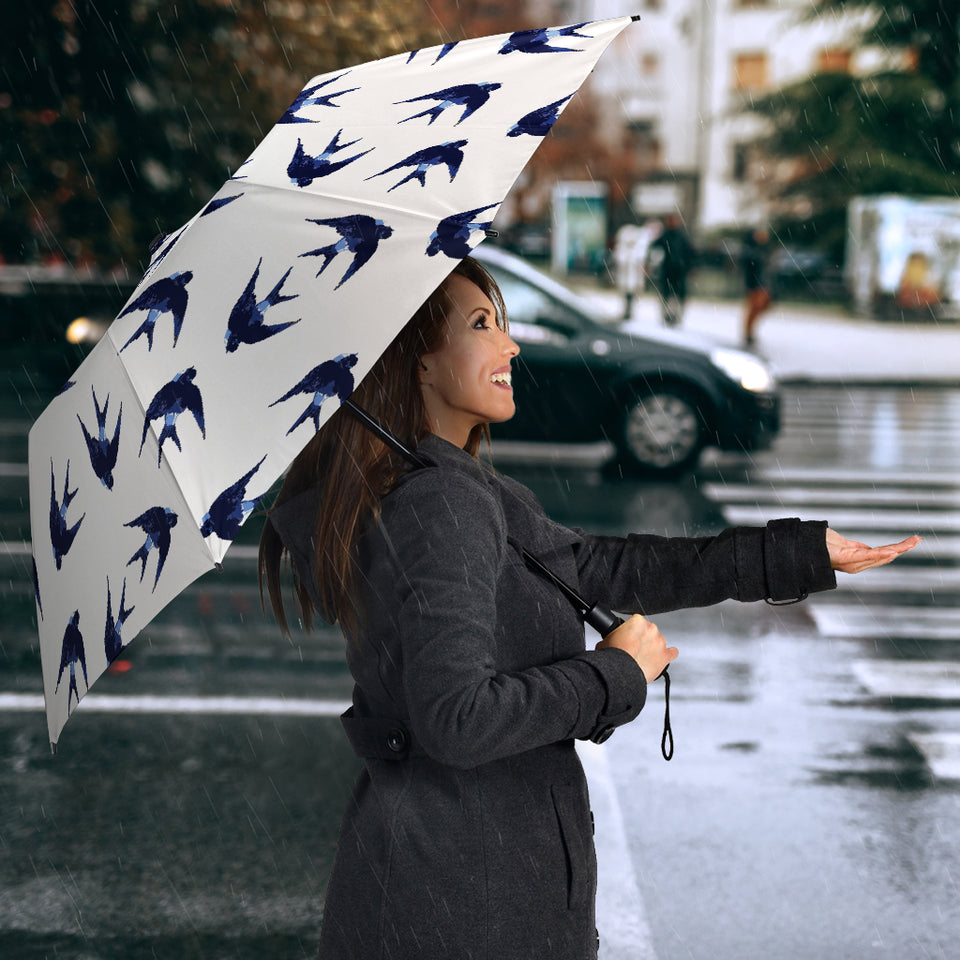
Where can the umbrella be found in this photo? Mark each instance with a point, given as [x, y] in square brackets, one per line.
[257, 318]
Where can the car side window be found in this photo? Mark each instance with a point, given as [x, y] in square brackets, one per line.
[534, 316]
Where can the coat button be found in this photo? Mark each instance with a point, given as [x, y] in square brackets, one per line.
[397, 739]
[603, 734]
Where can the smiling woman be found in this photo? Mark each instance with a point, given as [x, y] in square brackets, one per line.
[467, 381]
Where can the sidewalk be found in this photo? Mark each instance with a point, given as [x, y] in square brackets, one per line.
[810, 342]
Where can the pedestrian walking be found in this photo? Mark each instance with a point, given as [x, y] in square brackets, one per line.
[676, 255]
[469, 832]
[629, 256]
[754, 260]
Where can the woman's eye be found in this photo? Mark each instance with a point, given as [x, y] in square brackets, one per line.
[480, 323]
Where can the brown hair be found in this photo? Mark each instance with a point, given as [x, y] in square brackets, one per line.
[353, 470]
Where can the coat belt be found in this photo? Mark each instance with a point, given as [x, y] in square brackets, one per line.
[380, 738]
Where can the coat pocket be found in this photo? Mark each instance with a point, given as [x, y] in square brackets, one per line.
[573, 815]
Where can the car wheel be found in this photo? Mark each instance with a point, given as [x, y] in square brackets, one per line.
[661, 432]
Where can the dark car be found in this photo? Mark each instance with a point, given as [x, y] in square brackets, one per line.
[659, 398]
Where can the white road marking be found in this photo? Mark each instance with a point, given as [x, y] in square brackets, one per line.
[906, 623]
[621, 915]
[910, 679]
[245, 706]
[941, 751]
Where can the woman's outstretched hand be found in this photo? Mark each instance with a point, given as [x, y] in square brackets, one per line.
[644, 642]
[849, 556]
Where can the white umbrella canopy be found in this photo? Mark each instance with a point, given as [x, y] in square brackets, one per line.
[255, 320]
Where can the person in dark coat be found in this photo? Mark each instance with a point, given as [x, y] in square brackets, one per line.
[468, 834]
[676, 255]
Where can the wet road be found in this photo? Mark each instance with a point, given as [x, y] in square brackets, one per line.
[812, 808]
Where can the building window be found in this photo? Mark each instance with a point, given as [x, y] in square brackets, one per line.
[834, 60]
[750, 72]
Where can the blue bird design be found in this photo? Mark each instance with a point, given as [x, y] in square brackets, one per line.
[452, 236]
[245, 324]
[332, 378]
[306, 98]
[66, 387]
[167, 295]
[156, 523]
[238, 175]
[448, 154]
[112, 641]
[72, 653]
[172, 399]
[36, 587]
[359, 234]
[538, 41]
[537, 123]
[103, 450]
[229, 510]
[470, 96]
[444, 50]
[61, 536]
[218, 204]
[303, 169]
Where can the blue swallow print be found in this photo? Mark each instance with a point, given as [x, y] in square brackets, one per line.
[444, 50]
[359, 234]
[72, 653]
[246, 323]
[167, 295]
[303, 169]
[178, 396]
[448, 154]
[218, 204]
[470, 96]
[112, 641]
[156, 523]
[307, 98]
[36, 586]
[538, 41]
[61, 535]
[332, 378]
[537, 123]
[102, 449]
[452, 236]
[229, 510]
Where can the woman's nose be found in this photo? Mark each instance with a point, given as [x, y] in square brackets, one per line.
[510, 347]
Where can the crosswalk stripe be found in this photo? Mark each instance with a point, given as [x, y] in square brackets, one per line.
[883, 621]
[830, 496]
[941, 751]
[910, 680]
[922, 522]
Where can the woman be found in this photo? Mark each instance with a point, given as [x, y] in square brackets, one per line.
[469, 833]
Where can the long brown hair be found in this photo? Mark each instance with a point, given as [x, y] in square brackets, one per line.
[353, 470]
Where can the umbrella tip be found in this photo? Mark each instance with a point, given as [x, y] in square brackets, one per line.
[635, 17]
[53, 748]
[492, 234]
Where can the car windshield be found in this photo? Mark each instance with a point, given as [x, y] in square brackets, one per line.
[529, 306]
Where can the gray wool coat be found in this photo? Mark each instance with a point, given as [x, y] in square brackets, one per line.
[468, 835]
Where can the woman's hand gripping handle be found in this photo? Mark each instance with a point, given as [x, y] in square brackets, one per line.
[644, 642]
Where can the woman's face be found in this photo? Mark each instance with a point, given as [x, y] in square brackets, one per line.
[466, 381]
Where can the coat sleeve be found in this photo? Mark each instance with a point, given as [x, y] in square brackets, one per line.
[448, 542]
[782, 562]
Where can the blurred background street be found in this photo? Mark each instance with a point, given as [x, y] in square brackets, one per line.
[812, 808]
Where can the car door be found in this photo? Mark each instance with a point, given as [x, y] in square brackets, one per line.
[557, 380]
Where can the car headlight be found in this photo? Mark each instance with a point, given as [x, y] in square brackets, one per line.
[744, 368]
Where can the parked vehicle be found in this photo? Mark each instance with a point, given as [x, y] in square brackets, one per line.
[659, 397]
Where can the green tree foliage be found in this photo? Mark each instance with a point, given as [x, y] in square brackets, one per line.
[119, 119]
[896, 129]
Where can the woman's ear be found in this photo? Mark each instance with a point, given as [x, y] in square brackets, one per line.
[425, 369]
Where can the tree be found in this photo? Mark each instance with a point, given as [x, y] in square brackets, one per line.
[120, 118]
[894, 129]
